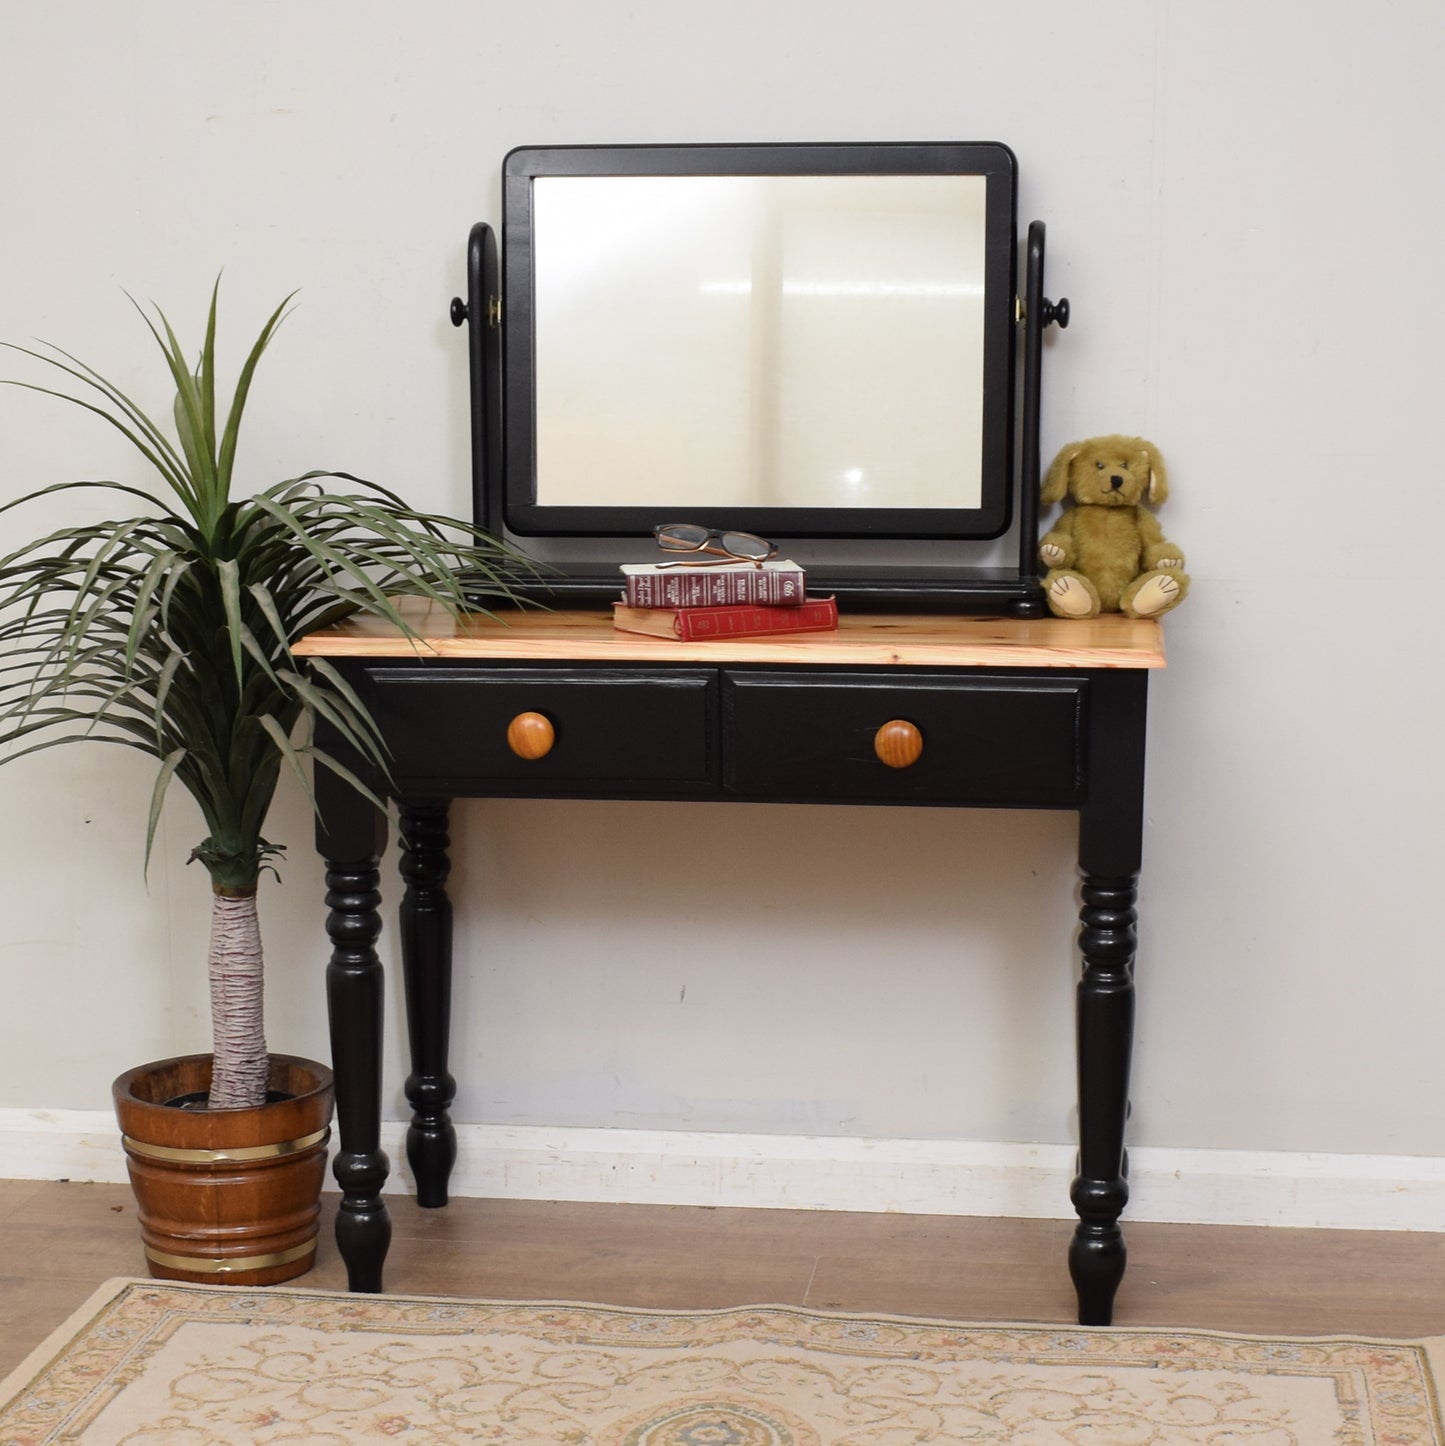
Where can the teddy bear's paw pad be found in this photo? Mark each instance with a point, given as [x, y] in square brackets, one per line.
[1070, 598]
[1156, 596]
[1051, 555]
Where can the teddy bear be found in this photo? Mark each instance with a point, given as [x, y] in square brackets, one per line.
[1106, 553]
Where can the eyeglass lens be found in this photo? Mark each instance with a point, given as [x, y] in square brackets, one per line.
[682, 536]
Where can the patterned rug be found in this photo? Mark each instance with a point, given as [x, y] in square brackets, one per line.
[148, 1363]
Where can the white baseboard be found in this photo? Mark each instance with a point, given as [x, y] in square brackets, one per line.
[927, 1177]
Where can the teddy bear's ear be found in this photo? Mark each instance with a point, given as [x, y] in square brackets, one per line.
[1158, 477]
[1056, 480]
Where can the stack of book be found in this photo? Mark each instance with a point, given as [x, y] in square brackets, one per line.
[731, 600]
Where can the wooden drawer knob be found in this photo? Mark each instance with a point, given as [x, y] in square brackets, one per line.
[530, 735]
[898, 743]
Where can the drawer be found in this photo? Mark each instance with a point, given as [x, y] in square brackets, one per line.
[1002, 739]
[611, 727]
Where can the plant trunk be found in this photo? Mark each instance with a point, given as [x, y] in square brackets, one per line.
[238, 1080]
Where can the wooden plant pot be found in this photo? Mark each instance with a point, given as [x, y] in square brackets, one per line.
[226, 1197]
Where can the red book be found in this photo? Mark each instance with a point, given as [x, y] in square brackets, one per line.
[662, 585]
[814, 615]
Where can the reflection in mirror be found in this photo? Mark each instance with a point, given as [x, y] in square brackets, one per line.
[755, 341]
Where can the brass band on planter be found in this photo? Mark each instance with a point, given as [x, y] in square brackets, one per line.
[202, 1265]
[244, 1152]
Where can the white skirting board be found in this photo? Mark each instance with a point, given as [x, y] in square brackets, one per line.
[925, 1177]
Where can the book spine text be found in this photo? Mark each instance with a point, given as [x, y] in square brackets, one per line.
[697, 589]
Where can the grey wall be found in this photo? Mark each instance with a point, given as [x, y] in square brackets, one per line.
[1240, 197]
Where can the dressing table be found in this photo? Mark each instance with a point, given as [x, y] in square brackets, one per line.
[1002, 712]
[811, 277]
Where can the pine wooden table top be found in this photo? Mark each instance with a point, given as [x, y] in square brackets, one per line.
[910, 640]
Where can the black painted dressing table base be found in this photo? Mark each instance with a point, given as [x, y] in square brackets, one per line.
[1000, 712]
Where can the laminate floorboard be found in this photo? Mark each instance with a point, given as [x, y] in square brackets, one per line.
[62, 1240]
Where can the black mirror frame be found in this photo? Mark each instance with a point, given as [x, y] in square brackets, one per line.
[522, 167]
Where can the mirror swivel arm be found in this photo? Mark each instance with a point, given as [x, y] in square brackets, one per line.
[1036, 313]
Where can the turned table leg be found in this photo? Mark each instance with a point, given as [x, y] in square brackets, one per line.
[426, 951]
[1111, 827]
[350, 837]
[354, 1002]
[1097, 1255]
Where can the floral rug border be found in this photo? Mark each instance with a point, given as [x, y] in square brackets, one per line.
[1389, 1386]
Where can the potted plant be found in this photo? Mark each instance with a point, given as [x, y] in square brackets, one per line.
[169, 630]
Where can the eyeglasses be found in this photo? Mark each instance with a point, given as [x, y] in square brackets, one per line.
[730, 546]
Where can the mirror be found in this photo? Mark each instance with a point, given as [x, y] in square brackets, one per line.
[814, 343]
[811, 340]
[758, 341]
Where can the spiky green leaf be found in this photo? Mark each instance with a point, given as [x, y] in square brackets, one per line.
[169, 764]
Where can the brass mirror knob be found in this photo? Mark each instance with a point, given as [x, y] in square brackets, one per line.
[530, 735]
[898, 743]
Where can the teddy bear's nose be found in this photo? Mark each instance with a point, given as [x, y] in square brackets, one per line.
[1116, 481]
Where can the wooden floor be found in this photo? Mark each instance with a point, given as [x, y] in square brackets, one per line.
[60, 1241]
